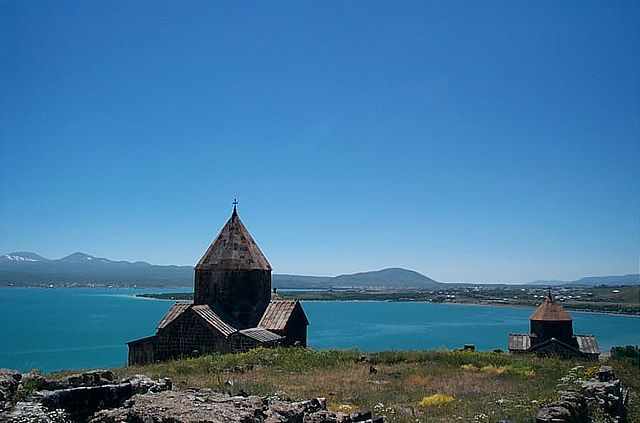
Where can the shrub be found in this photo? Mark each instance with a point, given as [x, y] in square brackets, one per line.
[630, 353]
[436, 400]
[495, 370]
[520, 370]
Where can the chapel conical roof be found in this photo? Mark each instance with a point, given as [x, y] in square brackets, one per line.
[233, 249]
[550, 311]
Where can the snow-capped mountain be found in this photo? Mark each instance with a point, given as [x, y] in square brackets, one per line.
[22, 268]
[22, 257]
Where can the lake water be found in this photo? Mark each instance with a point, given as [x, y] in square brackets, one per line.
[52, 329]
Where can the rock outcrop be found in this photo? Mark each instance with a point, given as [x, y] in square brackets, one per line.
[72, 398]
[608, 394]
[207, 406]
[570, 407]
[9, 381]
[98, 397]
[603, 393]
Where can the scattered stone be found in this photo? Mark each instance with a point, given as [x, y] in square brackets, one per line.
[238, 369]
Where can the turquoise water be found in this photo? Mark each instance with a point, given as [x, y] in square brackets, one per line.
[52, 329]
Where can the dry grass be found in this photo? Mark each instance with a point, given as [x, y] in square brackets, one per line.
[484, 386]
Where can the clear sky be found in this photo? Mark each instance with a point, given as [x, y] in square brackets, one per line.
[470, 141]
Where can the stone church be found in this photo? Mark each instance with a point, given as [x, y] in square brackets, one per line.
[233, 309]
[551, 333]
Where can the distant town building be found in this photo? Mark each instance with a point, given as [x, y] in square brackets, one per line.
[233, 310]
[551, 333]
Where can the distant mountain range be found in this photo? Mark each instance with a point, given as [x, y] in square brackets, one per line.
[632, 279]
[30, 269]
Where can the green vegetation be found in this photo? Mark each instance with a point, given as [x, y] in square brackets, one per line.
[619, 300]
[630, 353]
[623, 300]
[405, 386]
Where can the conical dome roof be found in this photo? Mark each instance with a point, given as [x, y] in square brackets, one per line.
[550, 311]
[233, 249]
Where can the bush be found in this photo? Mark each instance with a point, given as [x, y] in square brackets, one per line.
[630, 353]
[436, 400]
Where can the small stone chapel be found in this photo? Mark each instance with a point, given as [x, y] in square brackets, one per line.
[234, 308]
[551, 333]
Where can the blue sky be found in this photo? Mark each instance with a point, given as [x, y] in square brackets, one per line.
[471, 141]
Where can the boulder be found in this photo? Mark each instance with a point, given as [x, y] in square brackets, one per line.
[143, 384]
[91, 378]
[9, 381]
[554, 413]
[571, 407]
[605, 374]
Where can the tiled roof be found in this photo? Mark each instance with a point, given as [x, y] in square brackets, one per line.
[550, 311]
[233, 249]
[278, 313]
[587, 344]
[261, 335]
[148, 339]
[213, 319]
[176, 310]
[519, 342]
[554, 341]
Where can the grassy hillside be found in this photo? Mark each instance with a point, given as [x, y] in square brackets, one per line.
[407, 386]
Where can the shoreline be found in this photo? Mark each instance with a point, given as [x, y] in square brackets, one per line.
[142, 293]
[476, 304]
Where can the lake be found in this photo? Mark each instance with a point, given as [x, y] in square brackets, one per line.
[53, 329]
